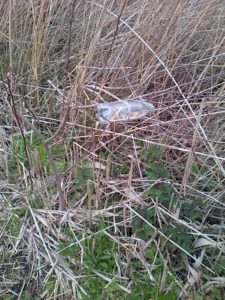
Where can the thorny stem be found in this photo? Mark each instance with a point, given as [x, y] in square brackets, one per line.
[70, 36]
[22, 119]
[18, 121]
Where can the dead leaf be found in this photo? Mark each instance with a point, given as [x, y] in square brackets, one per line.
[201, 242]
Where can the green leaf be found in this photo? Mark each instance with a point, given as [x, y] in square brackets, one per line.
[60, 165]
[151, 154]
[72, 250]
[84, 173]
[148, 230]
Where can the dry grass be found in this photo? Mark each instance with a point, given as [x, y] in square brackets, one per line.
[73, 192]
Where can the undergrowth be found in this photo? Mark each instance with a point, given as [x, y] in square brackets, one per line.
[131, 210]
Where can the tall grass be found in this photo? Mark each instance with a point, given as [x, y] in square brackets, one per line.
[127, 210]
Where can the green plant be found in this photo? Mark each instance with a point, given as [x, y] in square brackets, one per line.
[140, 227]
[33, 145]
[144, 290]
[100, 254]
[63, 60]
[84, 173]
[155, 170]
[13, 225]
[162, 191]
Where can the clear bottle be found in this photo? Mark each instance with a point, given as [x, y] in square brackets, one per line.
[123, 111]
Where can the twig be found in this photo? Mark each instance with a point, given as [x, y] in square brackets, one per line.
[70, 36]
[18, 121]
[19, 116]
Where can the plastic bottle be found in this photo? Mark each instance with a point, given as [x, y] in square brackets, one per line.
[123, 111]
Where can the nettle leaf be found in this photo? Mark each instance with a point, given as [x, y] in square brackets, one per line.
[148, 229]
[67, 250]
[219, 267]
[99, 253]
[165, 172]
[84, 173]
[151, 154]
[157, 171]
[196, 170]
[141, 228]
[151, 175]
[214, 293]
[43, 156]
[157, 193]
[179, 234]
[150, 213]
[150, 254]
[165, 192]
[60, 165]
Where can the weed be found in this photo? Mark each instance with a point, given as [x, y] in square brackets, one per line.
[140, 227]
[148, 222]
[99, 254]
[34, 146]
[13, 225]
[84, 173]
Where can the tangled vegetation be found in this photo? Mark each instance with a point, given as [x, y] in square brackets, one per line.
[122, 211]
